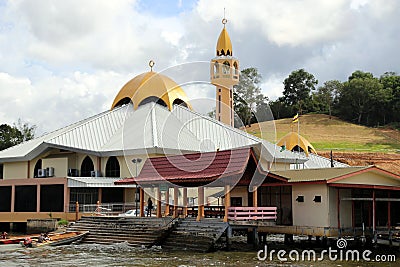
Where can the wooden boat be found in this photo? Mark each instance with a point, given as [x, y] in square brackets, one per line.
[16, 240]
[65, 238]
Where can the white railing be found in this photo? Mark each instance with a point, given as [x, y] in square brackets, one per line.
[252, 213]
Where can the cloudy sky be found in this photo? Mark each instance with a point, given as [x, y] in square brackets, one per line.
[62, 61]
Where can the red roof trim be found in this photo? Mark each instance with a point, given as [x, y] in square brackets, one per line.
[371, 168]
[365, 186]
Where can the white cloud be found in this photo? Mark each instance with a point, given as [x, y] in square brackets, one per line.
[61, 61]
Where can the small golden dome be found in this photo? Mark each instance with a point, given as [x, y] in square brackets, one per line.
[224, 45]
[151, 87]
[292, 141]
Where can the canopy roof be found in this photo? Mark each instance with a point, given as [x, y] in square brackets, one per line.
[196, 167]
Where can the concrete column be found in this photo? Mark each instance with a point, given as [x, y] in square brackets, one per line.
[167, 202]
[12, 198]
[176, 192]
[200, 209]
[66, 198]
[159, 215]
[255, 190]
[185, 202]
[141, 194]
[227, 201]
[38, 198]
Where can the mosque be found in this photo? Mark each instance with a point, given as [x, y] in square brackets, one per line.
[151, 143]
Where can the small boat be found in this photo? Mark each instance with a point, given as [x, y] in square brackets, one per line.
[65, 238]
[16, 240]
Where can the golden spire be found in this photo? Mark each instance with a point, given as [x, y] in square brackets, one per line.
[224, 45]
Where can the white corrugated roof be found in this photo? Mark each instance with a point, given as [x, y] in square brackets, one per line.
[152, 129]
[94, 182]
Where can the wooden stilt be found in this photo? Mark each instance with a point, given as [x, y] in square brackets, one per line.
[176, 191]
[227, 201]
[159, 215]
[141, 204]
[185, 202]
[167, 202]
[200, 212]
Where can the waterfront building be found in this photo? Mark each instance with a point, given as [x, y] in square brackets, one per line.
[151, 143]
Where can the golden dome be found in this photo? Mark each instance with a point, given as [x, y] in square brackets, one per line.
[224, 45]
[151, 87]
[293, 140]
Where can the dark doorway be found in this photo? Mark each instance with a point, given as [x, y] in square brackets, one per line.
[280, 197]
[112, 195]
[5, 198]
[25, 198]
[52, 198]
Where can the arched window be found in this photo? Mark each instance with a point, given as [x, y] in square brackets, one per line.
[38, 166]
[235, 65]
[123, 101]
[179, 102]
[112, 167]
[86, 167]
[226, 67]
[153, 99]
[216, 68]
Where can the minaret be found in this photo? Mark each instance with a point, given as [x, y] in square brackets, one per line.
[224, 73]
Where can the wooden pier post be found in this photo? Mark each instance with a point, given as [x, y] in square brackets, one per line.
[176, 191]
[167, 202]
[227, 201]
[229, 237]
[200, 210]
[76, 211]
[185, 202]
[255, 204]
[141, 197]
[159, 215]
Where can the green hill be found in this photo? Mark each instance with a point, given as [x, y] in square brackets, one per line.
[332, 134]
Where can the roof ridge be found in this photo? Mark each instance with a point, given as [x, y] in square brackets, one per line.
[81, 123]
[233, 129]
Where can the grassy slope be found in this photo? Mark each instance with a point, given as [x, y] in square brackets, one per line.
[333, 134]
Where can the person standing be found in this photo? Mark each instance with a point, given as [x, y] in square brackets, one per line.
[149, 206]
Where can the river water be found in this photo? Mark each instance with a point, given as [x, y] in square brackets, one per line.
[124, 255]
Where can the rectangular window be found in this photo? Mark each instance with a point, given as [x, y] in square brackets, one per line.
[1, 171]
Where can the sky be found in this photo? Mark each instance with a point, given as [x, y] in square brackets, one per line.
[63, 61]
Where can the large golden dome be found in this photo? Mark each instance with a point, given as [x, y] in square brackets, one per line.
[151, 87]
[292, 141]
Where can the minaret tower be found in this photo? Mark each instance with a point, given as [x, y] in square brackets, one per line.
[224, 73]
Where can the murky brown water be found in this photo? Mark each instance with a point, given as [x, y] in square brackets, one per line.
[123, 255]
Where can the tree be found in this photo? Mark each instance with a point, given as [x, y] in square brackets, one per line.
[326, 96]
[391, 83]
[27, 131]
[13, 135]
[362, 98]
[297, 88]
[247, 96]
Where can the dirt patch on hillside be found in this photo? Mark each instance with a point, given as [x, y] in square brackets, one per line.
[387, 161]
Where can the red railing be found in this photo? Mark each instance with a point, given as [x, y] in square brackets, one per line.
[252, 213]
